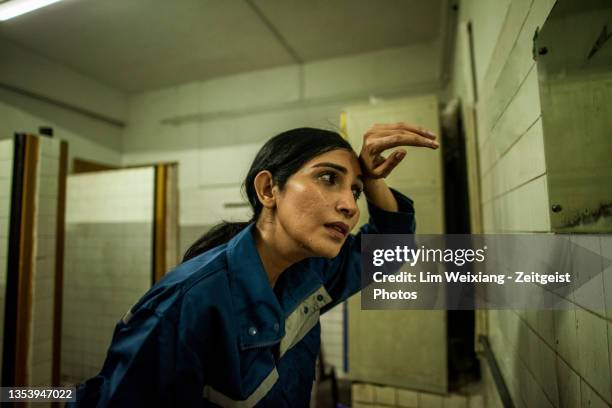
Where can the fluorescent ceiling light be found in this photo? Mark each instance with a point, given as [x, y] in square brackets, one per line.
[14, 8]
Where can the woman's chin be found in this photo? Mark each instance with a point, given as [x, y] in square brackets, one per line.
[328, 250]
[324, 246]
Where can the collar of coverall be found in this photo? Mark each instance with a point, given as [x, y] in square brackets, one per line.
[260, 315]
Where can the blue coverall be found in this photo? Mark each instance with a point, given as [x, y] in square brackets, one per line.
[213, 330]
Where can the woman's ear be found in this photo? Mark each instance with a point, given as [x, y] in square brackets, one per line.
[264, 186]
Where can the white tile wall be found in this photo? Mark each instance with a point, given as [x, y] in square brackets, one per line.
[589, 397]
[524, 209]
[225, 165]
[587, 265]
[513, 68]
[208, 178]
[606, 253]
[520, 165]
[107, 263]
[332, 337]
[569, 385]
[509, 126]
[520, 115]
[44, 247]
[506, 40]
[6, 174]
[110, 196]
[594, 367]
[566, 333]
[207, 205]
[560, 358]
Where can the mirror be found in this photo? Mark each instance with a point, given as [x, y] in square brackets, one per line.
[574, 59]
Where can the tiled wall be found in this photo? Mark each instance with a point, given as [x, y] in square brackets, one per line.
[332, 338]
[512, 165]
[548, 358]
[374, 396]
[107, 261]
[560, 358]
[43, 271]
[6, 174]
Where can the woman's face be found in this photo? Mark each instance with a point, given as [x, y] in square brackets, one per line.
[318, 205]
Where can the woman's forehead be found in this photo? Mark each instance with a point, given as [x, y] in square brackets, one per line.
[340, 157]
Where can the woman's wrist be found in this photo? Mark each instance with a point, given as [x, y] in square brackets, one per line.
[378, 193]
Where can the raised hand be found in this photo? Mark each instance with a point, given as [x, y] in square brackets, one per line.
[381, 137]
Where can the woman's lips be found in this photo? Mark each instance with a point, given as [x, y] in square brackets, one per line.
[337, 229]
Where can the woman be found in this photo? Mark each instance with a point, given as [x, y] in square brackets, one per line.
[237, 323]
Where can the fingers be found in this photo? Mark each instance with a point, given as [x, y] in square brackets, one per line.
[378, 145]
[391, 127]
[390, 163]
[381, 137]
[378, 160]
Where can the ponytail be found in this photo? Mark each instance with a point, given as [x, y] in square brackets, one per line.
[218, 235]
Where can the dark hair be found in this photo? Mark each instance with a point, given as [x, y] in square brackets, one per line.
[282, 155]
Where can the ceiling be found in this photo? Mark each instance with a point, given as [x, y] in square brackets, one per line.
[138, 45]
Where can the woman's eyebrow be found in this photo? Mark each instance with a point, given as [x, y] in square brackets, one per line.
[338, 167]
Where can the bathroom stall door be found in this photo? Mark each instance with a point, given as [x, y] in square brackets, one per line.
[32, 182]
[402, 348]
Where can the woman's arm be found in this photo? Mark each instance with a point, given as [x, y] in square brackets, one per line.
[378, 193]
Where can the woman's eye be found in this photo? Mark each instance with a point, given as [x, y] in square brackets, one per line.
[329, 178]
[332, 179]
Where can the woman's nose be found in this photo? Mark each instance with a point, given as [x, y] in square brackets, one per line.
[347, 204]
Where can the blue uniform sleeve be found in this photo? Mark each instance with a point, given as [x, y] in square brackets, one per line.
[342, 275]
[147, 364]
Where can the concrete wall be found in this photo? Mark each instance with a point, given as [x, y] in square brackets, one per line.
[548, 358]
[31, 72]
[104, 149]
[88, 137]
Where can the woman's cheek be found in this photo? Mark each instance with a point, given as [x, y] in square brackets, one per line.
[309, 210]
[319, 207]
